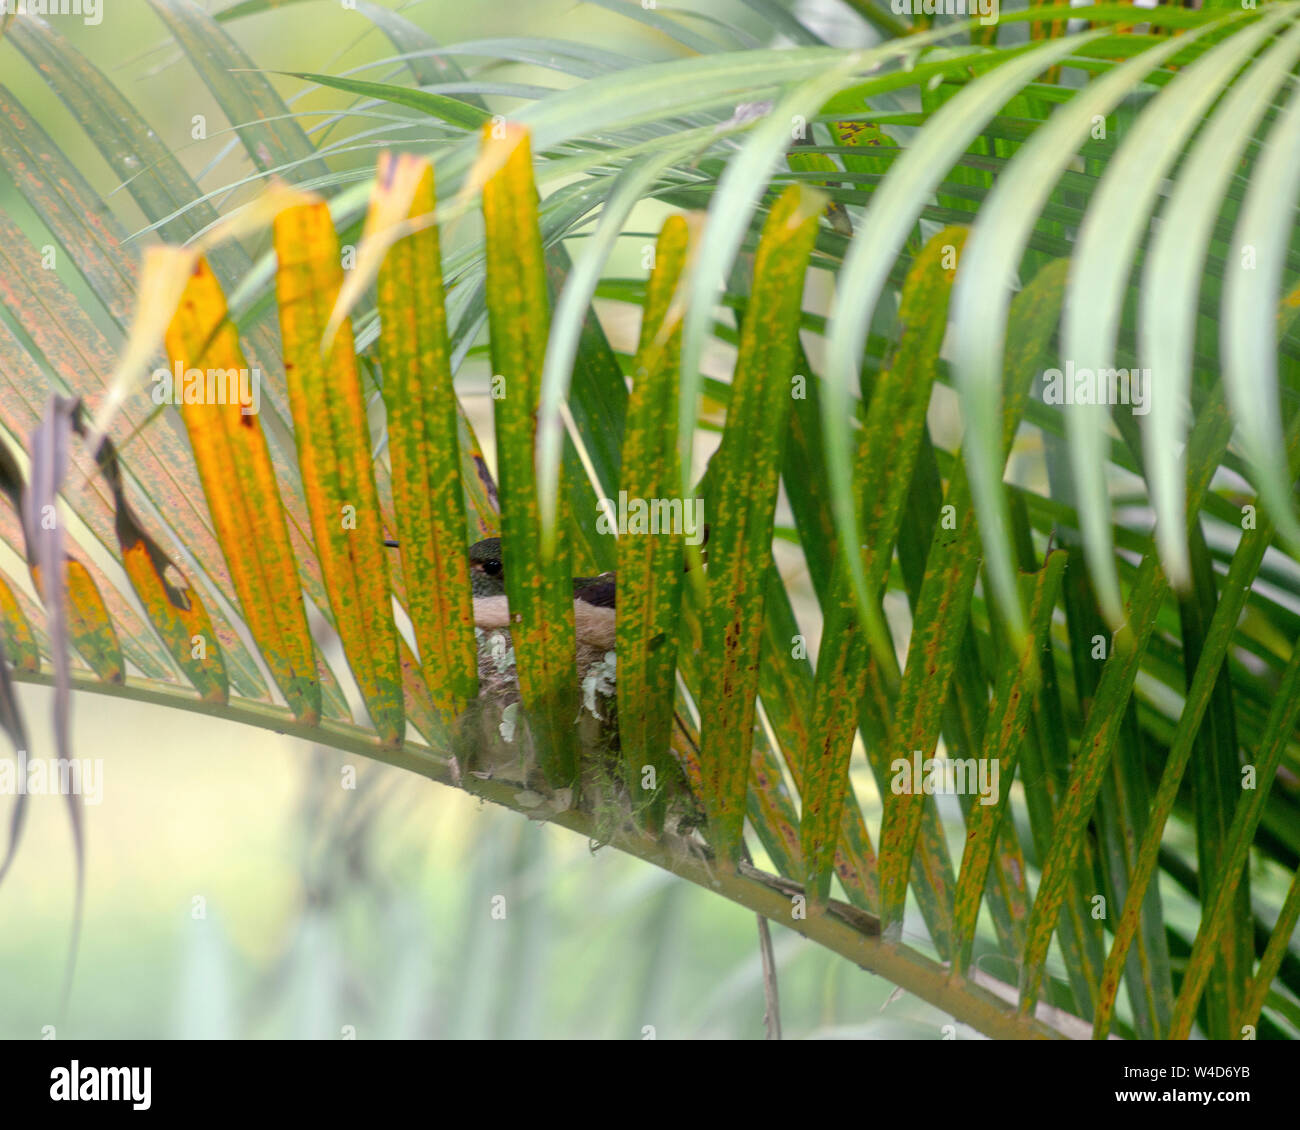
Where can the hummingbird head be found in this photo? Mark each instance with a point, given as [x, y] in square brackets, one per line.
[487, 574]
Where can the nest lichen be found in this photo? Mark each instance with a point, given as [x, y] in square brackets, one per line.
[495, 742]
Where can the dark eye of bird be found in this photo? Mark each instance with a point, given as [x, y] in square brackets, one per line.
[492, 568]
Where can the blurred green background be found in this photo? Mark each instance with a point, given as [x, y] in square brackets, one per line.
[236, 888]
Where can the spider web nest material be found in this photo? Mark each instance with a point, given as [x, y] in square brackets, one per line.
[495, 742]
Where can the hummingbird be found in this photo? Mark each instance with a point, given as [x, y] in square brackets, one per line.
[593, 597]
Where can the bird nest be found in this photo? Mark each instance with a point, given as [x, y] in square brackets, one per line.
[497, 743]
